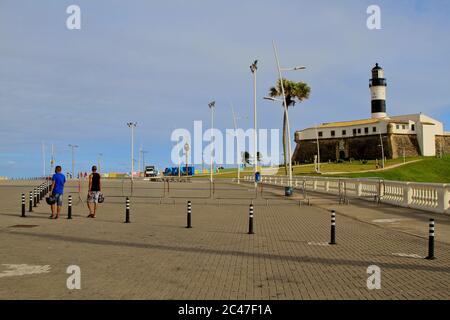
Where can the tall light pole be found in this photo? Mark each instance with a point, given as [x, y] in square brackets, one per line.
[286, 111]
[318, 151]
[211, 106]
[139, 159]
[382, 151]
[73, 146]
[43, 158]
[179, 166]
[52, 161]
[186, 149]
[143, 160]
[132, 125]
[253, 68]
[98, 161]
[237, 144]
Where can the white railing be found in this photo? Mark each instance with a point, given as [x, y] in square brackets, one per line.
[431, 197]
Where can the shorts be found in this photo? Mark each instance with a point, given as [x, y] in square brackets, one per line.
[93, 196]
[59, 199]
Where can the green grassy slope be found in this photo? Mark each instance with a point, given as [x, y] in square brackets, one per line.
[427, 170]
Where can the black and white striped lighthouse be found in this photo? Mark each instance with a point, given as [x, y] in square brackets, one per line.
[378, 92]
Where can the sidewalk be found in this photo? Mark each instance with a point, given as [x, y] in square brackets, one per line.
[410, 221]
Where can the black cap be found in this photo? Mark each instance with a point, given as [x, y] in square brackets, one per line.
[377, 67]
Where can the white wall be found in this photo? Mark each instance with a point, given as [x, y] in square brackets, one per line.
[426, 129]
[427, 139]
[310, 133]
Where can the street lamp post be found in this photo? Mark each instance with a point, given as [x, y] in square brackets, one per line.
[285, 109]
[52, 161]
[139, 160]
[211, 106]
[253, 69]
[43, 159]
[382, 151]
[237, 145]
[318, 151]
[143, 160]
[73, 146]
[98, 161]
[132, 125]
[286, 112]
[186, 149]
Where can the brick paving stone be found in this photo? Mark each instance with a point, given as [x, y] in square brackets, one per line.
[156, 257]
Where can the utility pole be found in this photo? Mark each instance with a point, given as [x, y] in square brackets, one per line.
[186, 149]
[237, 145]
[143, 160]
[73, 146]
[52, 161]
[43, 158]
[98, 161]
[211, 106]
[318, 151]
[139, 159]
[287, 117]
[253, 69]
[132, 125]
[382, 151]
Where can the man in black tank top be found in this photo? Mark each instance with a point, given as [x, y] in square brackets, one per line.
[94, 192]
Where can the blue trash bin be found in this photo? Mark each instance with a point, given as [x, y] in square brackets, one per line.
[288, 191]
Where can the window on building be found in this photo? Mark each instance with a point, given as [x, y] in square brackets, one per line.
[354, 132]
[398, 127]
[366, 130]
[374, 129]
[344, 132]
[403, 127]
[333, 133]
[413, 127]
[320, 134]
[359, 130]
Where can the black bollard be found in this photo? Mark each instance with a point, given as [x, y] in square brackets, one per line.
[39, 194]
[189, 212]
[127, 211]
[250, 220]
[35, 197]
[333, 227]
[30, 209]
[69, 209]
[23, 205]
[431, 241]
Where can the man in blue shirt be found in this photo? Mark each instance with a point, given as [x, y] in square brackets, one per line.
[57, 190]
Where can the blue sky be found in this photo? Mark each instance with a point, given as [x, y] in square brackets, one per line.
[160, 62]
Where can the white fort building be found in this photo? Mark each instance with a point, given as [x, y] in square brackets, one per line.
[396, 136]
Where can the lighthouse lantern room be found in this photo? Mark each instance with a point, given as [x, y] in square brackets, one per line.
[378, 92]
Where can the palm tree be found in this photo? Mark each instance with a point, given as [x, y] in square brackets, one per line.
[295, 92]
[246, 157]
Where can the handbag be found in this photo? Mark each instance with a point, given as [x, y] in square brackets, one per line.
[51, 200]
[101, 198]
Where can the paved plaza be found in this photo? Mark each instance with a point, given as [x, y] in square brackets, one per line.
[157, 257]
